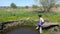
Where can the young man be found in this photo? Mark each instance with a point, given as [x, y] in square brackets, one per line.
[40, 22]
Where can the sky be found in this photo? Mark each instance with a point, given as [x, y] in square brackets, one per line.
[19, 2]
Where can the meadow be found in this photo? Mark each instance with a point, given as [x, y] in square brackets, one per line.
[17, 14]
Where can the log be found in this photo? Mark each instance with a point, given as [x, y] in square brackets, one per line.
[50, 24]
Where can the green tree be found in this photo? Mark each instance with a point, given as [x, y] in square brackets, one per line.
[34, 6]
[47, 4]
[13, 5]
[26, 6]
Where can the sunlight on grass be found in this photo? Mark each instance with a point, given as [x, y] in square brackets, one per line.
[21, 13]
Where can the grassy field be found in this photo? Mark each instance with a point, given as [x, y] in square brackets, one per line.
[17, 14]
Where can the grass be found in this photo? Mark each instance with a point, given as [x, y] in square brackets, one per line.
[52, 17]
[16, 14]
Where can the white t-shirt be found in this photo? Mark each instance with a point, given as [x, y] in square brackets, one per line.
[41, 19]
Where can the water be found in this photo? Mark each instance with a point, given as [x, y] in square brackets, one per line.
[23, 31]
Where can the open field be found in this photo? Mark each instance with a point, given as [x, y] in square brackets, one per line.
[17, 14]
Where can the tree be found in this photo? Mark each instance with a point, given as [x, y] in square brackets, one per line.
[13, 5]
[57, 5]
[26, 6]
[47, 4]
[34, 6]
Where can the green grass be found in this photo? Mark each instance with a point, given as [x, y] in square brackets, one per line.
[16, 14]
[52, 16]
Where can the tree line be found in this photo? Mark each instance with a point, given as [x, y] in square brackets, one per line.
[46, 4]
